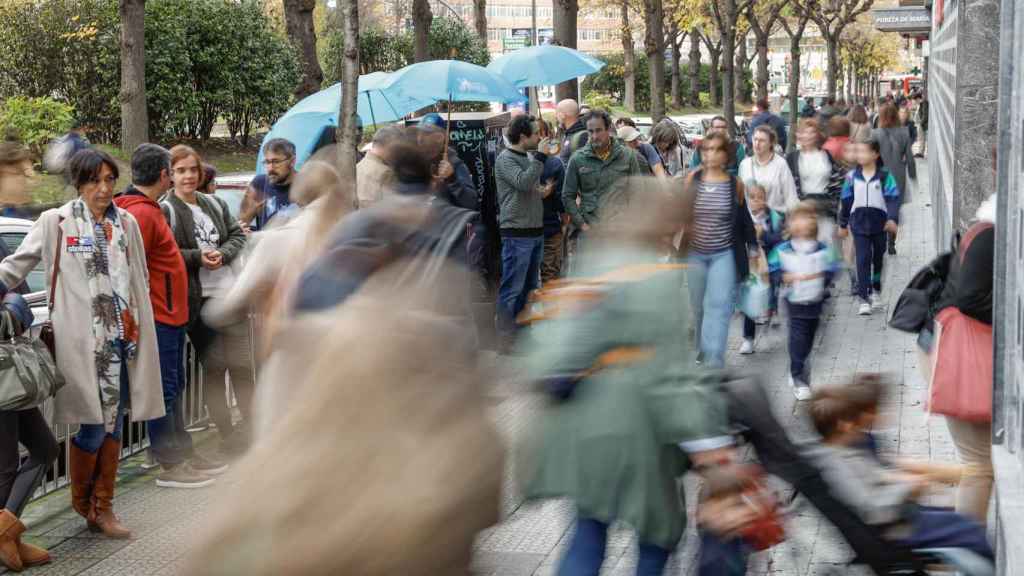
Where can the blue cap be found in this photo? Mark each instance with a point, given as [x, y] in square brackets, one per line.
[434, 119]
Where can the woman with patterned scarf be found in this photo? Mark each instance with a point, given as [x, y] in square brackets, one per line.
[103, 325]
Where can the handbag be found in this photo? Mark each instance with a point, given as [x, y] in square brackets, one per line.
[28, 374]
[46, 330]
[961, 384]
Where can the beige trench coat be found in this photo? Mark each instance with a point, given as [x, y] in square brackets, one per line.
[78, 402]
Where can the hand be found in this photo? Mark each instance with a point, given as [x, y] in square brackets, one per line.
[759, 230]
[585, 227]
[246, 229]
[891, 227]
[211, 260]
[445, 170]
[725, 516]
[843, 232]
[789, 277]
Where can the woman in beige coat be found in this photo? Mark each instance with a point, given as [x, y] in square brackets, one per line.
[103, 323]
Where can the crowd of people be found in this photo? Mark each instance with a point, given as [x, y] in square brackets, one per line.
[339, 294]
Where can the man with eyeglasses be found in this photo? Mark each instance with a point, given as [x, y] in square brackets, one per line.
[269, 194]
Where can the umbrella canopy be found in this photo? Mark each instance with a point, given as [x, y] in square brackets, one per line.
[453, 80]
[544, 65]
[304, 124]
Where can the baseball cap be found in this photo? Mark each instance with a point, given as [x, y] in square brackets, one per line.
[628, 134]
[434, 119]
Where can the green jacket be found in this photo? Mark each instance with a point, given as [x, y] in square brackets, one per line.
[600, 184]
[612, 446]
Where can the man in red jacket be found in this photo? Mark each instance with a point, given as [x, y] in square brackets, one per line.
[168, 290]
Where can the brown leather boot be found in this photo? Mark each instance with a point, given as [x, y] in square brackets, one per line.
[103, 518]
[10, 531]
[32, 555]
[82, 470]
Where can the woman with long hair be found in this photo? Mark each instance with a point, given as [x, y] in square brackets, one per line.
[860, 126]
[897, 156]
[770, 169]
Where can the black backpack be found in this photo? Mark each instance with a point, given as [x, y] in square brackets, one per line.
[919, 302]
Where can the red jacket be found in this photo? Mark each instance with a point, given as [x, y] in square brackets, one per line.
[168, 279]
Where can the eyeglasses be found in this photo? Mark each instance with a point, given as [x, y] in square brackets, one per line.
[275, 161]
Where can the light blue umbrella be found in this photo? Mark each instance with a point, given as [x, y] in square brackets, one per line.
[304, 124]
[452, 80]
[544, 65]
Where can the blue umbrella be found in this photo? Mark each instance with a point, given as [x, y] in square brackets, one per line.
[452, 80]
[544, 65]
[304, 124]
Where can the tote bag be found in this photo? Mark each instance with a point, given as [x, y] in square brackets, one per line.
[961, 383]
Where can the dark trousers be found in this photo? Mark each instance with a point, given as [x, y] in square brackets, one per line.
[801, 340]
[551, 267]
[719, 557]
[586, 552]
[520, 274]
[749, 328]
[870, 257]
[941, 528]
[18, 480]
[171, 444]
[749, 409]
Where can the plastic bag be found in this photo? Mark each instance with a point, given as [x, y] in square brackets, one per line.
[755, 296]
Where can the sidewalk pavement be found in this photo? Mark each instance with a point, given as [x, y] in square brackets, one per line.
[532, 537]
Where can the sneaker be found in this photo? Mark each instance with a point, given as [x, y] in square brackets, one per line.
[802, 392]
[700, 358]
[876, 300]
[747, 347]
[865, 309]
[183, 476]
[208, 466]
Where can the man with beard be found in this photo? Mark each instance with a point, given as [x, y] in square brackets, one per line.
[269, 194]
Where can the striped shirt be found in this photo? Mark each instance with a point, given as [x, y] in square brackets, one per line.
[713, 217]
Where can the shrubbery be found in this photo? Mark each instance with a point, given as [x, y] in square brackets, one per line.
[205, 59]
[35, 121]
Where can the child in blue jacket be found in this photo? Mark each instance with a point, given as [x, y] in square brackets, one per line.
[804, 266]
[870, 208]
[769, 226]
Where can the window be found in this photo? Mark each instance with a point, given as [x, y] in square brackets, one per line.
[492, 34]
[36, 279]
[543, 12]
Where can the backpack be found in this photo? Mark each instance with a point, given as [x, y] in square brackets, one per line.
[172, 217]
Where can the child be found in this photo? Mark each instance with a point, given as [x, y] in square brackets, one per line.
[768, 224]
[870, 208]
[804, 266]
[882, 497]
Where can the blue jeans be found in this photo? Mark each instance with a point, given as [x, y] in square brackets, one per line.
[91, 436]
[940, 528]
[586, 552]
[520, 273]
[712, 281]
[721, 557]
[170, 443]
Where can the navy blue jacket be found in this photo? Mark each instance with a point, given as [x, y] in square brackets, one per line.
[553, 207]
[777, 123]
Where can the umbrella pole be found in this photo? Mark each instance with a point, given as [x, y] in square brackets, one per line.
[369, 102]
[448, 127]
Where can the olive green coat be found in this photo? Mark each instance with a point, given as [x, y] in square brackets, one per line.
[600, 184]
[612, 447]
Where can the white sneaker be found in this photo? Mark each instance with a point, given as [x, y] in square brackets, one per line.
[876, 300]
[802, 392]
[865, 309]
[747, 347]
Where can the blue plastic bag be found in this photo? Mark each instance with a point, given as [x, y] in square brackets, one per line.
[755, 297]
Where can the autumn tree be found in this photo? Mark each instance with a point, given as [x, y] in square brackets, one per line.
[743, 60]
[763, 17]
[794, 23]
[654, 45]
[713, 42]
[134, 117]
[832, 17]
[480, 18]
[681, 17]
[564, 16]
[347, 126]
[422, 18]
[298, 18]
[725, 14]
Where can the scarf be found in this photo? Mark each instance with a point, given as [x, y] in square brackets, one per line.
[103, 249]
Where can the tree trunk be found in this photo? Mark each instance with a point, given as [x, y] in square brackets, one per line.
[714, 88]
[832, 44]
[656, 56]
[694, 67]
[347, 139]
[739, 70]
[728, 32]
[422, 18]
[677, 56]
[794, 86]
[134, 117]
[480, 19]
[298, 18]
[564, 14]
[629, 60]
[762, 67]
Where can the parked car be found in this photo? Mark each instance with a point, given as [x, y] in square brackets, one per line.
[12, 233]
[231, 188]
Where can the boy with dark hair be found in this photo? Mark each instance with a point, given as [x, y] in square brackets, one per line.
[883, 497]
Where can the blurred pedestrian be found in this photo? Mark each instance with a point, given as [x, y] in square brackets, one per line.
[652, 160]
[870, 203]
[19, 480]
[170, 443]
[803, 266]
[770, 169]
[763, 115]
[769, 227]
[209, 185]
[665, 139]
[268, 195]
[818, 177]
[737, 153]
[103, 322]
[838, 136]
[719, 237]
[572, 128]
[922, 121]
[15, 170]
[210, 241]
[897, 156]
[374, 177]
[453, 181]
[58, 155]
[521, 194]
[555, 217]
[860, 127]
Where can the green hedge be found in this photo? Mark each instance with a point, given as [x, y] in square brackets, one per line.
[34, 121]
[205, 59]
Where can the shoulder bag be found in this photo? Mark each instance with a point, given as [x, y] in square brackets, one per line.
[46, 331]
[28, 374]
